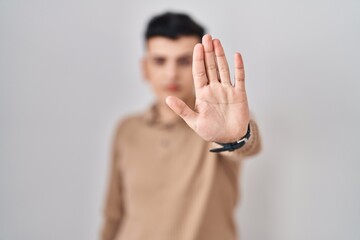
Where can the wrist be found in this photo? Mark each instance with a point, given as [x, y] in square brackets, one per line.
[233, 145]
[239, 135]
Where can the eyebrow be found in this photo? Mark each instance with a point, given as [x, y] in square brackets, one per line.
[185, 55]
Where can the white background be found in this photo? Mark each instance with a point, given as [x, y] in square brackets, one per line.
[70, 69]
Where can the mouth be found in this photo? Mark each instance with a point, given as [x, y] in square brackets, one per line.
[172, 87]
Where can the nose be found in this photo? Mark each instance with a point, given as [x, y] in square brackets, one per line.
[171, 71]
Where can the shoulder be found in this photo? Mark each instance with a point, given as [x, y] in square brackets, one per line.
[128, 123]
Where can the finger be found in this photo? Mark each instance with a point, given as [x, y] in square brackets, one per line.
[222, 64]
[181, 109]
[198, 67]
[239, 72]
[210, 63]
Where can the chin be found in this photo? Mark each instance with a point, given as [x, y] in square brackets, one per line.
[181, 95]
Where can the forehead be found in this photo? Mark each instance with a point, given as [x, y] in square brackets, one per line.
[166, 47]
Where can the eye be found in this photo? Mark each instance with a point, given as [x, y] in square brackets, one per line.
[185, 61]
[159, 61]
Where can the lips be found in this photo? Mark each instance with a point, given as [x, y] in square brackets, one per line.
[172, 87]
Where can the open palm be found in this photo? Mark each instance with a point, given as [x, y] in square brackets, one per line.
[221, 111]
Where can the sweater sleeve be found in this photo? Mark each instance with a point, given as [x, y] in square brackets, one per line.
[252, 147]
[113, 210]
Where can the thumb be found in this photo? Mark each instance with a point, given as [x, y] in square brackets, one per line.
[181, 109]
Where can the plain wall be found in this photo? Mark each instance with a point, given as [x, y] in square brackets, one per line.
[69, 70]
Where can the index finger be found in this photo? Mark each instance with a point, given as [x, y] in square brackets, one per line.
[198, 67]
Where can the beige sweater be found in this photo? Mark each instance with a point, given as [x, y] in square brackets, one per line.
[164, 184]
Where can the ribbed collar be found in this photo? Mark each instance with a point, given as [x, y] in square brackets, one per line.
[151, 117]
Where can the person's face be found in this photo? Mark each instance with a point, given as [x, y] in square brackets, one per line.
[167, 66]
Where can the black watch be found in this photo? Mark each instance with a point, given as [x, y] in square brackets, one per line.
[233, 145]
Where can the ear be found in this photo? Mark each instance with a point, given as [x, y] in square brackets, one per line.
[144, 68]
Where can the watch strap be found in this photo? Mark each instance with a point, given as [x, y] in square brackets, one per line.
[233, 145]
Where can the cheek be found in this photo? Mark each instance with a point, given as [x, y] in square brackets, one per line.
[186, 73]
[188, 87]
[154, 73]
[155, 78]
[156, 85]
[188, 81]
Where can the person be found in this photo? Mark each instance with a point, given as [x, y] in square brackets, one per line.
[175, 167]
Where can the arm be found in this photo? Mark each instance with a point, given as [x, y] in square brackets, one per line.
[251, 148]
[113, 209]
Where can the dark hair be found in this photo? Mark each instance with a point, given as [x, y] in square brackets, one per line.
[173, 25]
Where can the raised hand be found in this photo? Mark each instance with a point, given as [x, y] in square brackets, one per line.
[221, 112]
